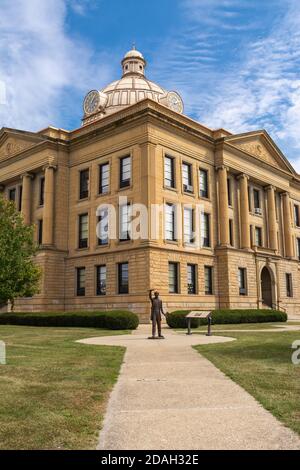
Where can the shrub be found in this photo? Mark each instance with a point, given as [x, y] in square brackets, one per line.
[177, 319]
[226, 316]
[113, 320]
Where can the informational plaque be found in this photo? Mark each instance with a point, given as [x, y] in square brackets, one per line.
[199, 314]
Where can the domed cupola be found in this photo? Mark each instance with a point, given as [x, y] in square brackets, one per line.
[133, 63]
[130, 89]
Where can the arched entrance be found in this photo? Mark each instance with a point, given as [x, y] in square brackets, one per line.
[266, 287]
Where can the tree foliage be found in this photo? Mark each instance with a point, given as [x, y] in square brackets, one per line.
[19, 275]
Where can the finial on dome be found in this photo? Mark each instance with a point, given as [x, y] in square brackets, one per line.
[133, 46]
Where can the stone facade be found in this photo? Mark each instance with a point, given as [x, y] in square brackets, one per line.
[238, 168]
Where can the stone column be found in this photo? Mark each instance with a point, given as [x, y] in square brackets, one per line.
[273, 242]
[48, 214]
[244, 212]
[26, 198]
[288, 241]
[223, 206]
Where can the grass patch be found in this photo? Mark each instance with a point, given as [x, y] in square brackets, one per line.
[53, 391]
[261, 364]
[247, 326]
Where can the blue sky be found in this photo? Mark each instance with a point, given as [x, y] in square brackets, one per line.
[235, 62]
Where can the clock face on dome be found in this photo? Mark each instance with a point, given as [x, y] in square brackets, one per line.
[91, 102]
[175, 102]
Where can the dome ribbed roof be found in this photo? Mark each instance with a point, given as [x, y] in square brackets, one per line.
[129, 90]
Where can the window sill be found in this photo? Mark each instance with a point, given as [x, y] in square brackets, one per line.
[104, 194]
[169, 188]
[84, 199]
[171, 242]
[124, 242]
[102, 246]
[124, 188]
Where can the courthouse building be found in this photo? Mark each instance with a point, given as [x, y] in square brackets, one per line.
[136, 141]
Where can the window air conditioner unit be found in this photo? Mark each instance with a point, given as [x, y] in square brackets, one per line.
[188, 188]
[258, 211]
[242, 291]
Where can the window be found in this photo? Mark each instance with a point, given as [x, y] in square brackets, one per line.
[242, 273]
[256, 199]
[84, 184]
[125, 171]
[42, 191]
[83, 231]
[40, 232]
[169, 172]
[123, 284]
[229, 192]
[203, 183]
[173, 278]
[191, 278]
[208, 280]
[102, 229]
[125, 221]
[170, 222]
[12, 194]
[289, 285]
[20, 198]
[251, 235]
[80, 282]
[231, 239]
[205, 230]
[188, 223]
[249, 199]
[101, 280]
[258, 236]
[104, 175]
[296, 215]
[298, 247]
[187, 178]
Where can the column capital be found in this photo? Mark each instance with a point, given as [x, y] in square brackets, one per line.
[285, 194]
[27, 175]
[269, 187]
[49, 166]
[222, 167]
[242, 175]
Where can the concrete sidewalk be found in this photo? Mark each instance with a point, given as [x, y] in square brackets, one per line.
[170, 397]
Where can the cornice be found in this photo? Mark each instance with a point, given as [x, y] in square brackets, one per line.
[147, 109]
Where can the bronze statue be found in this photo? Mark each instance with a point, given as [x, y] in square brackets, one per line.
[156, 310]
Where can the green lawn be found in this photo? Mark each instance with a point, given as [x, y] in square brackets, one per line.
[240, 326]
[261, 363]
[53, 391]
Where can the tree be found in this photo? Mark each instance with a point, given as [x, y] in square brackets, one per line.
[19, 275]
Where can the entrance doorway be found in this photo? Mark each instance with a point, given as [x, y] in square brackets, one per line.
[266, 287]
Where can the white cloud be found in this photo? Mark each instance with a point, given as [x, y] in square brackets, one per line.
[44, 70]
[251, 79]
